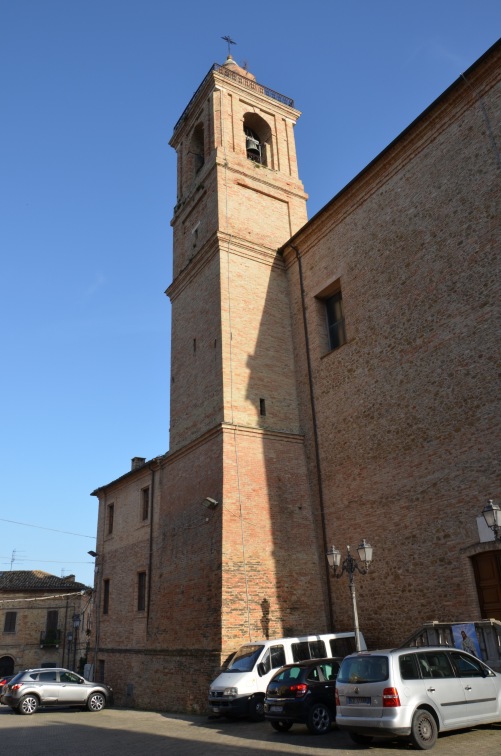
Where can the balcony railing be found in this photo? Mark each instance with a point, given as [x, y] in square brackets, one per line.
[50, 638]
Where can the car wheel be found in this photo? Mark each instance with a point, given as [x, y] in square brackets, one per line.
[319, 719]
[96, 702]
[281, 725]
[361, 739]
[256, 709]
[28, 705]
[424, 730]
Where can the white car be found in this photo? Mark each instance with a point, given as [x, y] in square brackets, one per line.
[416, 692]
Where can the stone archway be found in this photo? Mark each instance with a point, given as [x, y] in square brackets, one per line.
[6, 665]
[487, 569]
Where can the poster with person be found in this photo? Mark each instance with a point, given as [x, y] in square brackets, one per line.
[465, 638]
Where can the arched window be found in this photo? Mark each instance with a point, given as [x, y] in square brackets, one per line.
[257, 139]
[196, 151]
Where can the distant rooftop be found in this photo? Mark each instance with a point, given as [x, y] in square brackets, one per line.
[37, 580]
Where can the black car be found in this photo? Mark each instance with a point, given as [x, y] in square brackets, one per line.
[303, 692]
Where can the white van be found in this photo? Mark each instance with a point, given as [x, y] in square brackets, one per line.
[239, 690]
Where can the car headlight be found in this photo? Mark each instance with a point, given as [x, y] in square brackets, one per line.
[230, 692]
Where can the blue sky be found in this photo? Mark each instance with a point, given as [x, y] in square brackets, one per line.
[90, 92]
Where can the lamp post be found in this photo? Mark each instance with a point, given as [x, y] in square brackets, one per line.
[69, 638]
[76, 625]
[350, 565]
[492, 516]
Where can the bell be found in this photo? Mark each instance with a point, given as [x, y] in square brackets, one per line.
[252, 145]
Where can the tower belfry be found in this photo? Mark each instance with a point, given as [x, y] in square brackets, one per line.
[234, 405]
[239, 198]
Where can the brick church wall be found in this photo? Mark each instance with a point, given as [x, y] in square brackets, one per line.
[408, 410]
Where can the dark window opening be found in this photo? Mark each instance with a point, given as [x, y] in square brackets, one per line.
[106, 596]
[262, 407]
[141, 591]
[111, 517]
[10, 622]
[100, 671]
[197, 151]
[52, 619]
[145, 503]
[335, 320]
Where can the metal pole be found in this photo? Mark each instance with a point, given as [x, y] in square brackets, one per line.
[355, 613]
[75, 649]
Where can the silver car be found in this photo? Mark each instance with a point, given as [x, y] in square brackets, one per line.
[416, 692]
[54, 687]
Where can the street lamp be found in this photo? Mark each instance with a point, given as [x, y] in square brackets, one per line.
[492, 516]
[350, 565]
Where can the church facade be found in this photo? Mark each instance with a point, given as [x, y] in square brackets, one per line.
[331, 380]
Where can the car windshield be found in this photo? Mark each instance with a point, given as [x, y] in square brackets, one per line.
[358, 669]
[245, 658]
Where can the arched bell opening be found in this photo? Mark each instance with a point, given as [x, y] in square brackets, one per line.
[257, 139]
[196, 152]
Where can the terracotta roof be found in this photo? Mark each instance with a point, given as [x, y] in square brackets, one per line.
[37, 580]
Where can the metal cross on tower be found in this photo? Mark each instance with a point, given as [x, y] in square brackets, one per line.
[229, 40]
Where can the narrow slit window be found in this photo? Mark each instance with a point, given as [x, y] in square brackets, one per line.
[145, 508]
[335, 320]
[141, 591]
[111, 518]
[106, 596]
[262, 407]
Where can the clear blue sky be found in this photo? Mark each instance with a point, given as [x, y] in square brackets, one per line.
[90, 92]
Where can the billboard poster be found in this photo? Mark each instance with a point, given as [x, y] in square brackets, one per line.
[465, 638]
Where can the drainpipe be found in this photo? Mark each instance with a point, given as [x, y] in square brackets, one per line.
[315, 437]
[150, 555]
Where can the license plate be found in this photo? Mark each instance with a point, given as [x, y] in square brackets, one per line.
[276, 708]
[358, 701]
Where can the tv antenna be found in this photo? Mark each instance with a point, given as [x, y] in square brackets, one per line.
[230, 42]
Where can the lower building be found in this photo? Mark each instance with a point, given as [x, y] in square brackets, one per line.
[44, 621]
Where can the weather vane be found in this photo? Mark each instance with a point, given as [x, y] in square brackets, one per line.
[229, 40]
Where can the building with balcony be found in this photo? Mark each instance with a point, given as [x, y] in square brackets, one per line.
[44, 620]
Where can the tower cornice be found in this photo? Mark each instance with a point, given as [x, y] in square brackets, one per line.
[223, 77]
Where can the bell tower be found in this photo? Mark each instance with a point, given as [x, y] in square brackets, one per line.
[233, 381]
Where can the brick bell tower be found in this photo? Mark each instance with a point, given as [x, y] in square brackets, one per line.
[233, 380]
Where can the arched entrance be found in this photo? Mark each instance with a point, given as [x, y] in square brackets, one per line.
[487, 567]
[6, 665]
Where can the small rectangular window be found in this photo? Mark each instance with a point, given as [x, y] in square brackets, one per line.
[10, 622]
[262, 407]
[335, 320]
[106, 596]
[145, 503]
[141, 591]
[111, 517]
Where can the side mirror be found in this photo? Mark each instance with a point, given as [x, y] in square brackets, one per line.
[261, 669]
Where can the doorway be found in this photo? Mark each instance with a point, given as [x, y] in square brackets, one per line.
[6, 666]
[487, 567]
